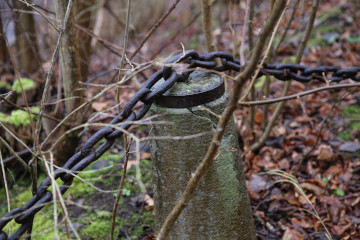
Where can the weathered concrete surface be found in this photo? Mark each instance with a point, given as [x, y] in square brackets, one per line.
[220, 208]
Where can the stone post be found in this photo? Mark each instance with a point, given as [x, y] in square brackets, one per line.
[220, 207]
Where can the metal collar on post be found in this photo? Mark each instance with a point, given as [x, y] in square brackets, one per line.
[205, 95]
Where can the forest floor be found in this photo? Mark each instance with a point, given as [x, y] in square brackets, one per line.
[314, 145]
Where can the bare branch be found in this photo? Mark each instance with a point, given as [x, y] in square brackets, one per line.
[294, 96]
[157, 24]
[245, 29]
[43, 15]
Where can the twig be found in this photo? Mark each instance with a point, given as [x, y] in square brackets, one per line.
[287, 27]
[56, 191]
[299, 54]
[266, 86]
[37, 145]
[6, 186]
[157, 24]
[110, 46]
[19, 154]
[98, 23]
[51, 69]
[15, 154]
[176, 34]
[226, 116]
[123, 55]
[29, 40]
[288, 178]
[294, 96]
[207, 25]
[86, 104]
[16, 137]
[120, 188]
[113, 14]
[245, 29]
[306, 155]
[23, 109]
[43, 15]
[33, 172]
[251, 24]
[251, 45]
[265, 56]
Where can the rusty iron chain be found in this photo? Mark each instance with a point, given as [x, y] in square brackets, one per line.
[147, 94]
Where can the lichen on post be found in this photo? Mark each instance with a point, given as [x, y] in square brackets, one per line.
[220, 207]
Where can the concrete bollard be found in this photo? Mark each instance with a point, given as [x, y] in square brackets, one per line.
[220, 207]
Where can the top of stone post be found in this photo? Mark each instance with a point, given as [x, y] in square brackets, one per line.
[202, 87]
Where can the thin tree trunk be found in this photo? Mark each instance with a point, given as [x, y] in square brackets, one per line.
[251, 44]
[4, 56]
[82, 12]
[27, 50]
[207, 25]
[71, 77]
[267, 80]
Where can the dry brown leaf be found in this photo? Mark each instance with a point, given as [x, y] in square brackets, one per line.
[284, 164]
[149, 203]
[325, 153]
[340, 230]
[333, 170]
[99, 106]
[292, 234]
[313, 188]
[247, 136]
[145, 155]
[302, 222]
[130, 164]
[257, 183]
[258, 117]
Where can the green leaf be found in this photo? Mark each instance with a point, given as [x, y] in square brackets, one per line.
[126, 192]
[353, 39]
[339, 192]
[260, 82]
[325, 180]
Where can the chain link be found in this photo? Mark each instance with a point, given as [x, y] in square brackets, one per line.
[146, 94]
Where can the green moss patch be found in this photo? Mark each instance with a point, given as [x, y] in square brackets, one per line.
[19, 117]
[91, 211]
[352, 113]
[26, 83]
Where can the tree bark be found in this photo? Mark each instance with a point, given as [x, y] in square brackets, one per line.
[3, 50]
[82, 13]
[27, 50]
[71, 77]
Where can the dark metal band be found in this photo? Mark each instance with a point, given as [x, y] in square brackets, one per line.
[191, 100]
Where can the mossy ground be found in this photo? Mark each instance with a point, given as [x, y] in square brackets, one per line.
[19, 117]
[88, 207]
[352, 114]
[26, 83]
